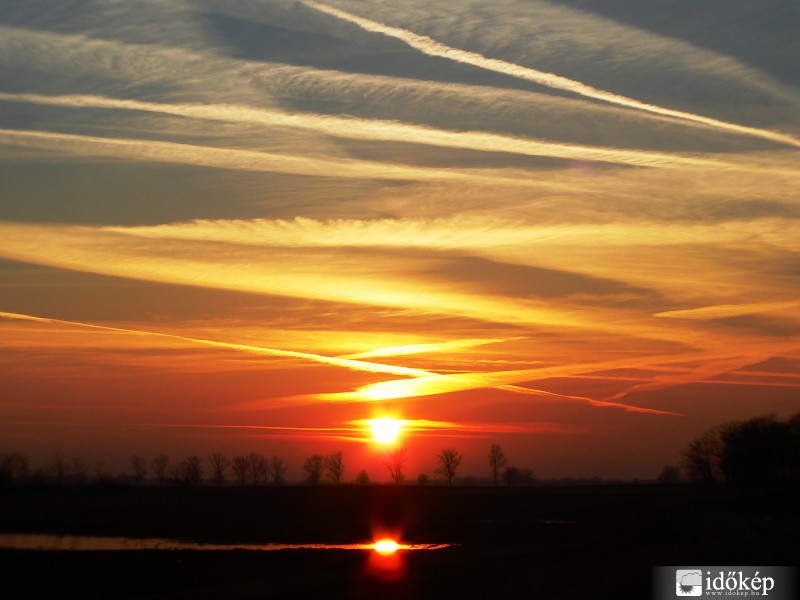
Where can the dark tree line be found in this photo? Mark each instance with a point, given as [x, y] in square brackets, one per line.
[762, 450]
[250, 469]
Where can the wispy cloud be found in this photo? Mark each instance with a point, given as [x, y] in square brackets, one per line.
[727, 310]
[372, 129]
[388, 281]
[468, 232]
[244, 160]
[408, 349]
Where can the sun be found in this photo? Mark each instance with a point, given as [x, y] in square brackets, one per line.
[386, 430]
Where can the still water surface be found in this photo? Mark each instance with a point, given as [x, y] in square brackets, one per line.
[28, 541]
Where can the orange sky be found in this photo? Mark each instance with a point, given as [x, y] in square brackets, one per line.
[253, 227]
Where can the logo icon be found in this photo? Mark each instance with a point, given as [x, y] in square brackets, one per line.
[688, 582]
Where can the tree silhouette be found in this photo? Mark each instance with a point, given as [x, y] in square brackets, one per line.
[313, 467]
[395, 462]
[159, 467]
[240, 468]
[59, 467]
[497, 462]
[219, 464]
[256, 467]
[362, 478]
[138, 467]
[702, 457]
[78, 468]
[13, 467]
[334, 464]
[669, 474]
[277, 469]
[515, 476]
[101, 474]
[191, 471]
[448, 459]
[758, 451]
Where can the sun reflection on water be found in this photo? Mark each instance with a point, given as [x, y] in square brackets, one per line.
[27, 541]
[386, 546]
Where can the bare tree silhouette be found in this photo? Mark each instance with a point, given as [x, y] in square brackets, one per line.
[101, 474]
[175, 474]
[277, 469]
[159, 467]
[138, 467]
[422, 479]
[78, 468]
[313, 467]
[219, 464]
[395, 462]
[702, 457]
[240, 468]
[497, 462]
[334, 464]
[59, 468]
[449, 459]
[190, 471]
[257, 467]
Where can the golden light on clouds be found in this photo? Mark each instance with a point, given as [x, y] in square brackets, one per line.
[531, 225]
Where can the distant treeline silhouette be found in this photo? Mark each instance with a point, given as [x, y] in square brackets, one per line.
[250, 469]
[759, 451]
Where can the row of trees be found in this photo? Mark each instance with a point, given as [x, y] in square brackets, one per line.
[253, 469]
[762, 450]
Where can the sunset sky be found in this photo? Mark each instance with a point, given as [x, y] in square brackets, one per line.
[569, 227]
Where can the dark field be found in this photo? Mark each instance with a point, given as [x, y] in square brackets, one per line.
[539, 542]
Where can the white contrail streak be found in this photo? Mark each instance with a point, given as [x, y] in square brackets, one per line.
[431, 47]
[377, 129]
[352, 364]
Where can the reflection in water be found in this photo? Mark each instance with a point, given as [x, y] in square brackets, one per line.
[28, 541]
[386, 563]
[386, 546]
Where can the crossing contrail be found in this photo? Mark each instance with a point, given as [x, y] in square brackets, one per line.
[431, 47]
[347, 363]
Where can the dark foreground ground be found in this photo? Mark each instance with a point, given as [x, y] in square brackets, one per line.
[541, 542]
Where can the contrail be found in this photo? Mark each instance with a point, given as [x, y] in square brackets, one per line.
[431, 47]
[592, 402]
[352, 364]
[378, 129]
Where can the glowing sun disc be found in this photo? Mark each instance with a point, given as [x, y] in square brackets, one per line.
[386, 430]
[385, 546]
